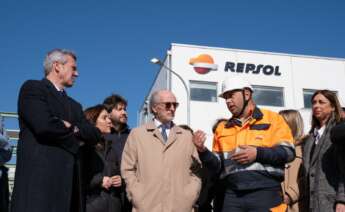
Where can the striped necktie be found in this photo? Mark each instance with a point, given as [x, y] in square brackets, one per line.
[164, 133]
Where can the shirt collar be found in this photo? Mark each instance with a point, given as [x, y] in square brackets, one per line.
[57, 88]
[159, 124]
[232, 122]
[319, 131]
[255, 115]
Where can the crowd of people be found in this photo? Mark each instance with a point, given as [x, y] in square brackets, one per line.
[70, 160]
[5, 156]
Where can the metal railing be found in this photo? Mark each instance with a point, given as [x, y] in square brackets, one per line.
[13, 136]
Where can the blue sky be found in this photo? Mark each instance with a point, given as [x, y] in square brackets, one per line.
[114, 40]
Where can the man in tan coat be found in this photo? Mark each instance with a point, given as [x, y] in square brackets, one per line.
[160, 162]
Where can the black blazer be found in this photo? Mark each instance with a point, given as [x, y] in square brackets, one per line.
[101, 162]
[47, 153]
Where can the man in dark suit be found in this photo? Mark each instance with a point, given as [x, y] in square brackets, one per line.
[52, 129]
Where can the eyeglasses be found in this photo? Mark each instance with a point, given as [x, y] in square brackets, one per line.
[169, 104]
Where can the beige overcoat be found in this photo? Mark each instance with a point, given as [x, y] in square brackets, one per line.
[158, 175]
[293, 180]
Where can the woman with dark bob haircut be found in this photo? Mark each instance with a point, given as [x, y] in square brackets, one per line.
[319, 159]
[101, 169]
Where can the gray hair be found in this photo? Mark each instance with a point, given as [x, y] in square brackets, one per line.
[56, 55]
[154, 99]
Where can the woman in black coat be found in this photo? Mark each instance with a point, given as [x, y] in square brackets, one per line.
[102, 179]
[338, 139]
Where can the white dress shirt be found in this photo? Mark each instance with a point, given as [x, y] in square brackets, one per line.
[159, 124]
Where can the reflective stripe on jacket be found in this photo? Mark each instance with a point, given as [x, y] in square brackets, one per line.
[265, 130]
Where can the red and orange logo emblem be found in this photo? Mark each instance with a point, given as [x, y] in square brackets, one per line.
[203, 64]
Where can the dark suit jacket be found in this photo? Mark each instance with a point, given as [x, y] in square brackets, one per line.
[118, 139]
[321, 172]
[101, 162]
[47, 155]
[338, 139]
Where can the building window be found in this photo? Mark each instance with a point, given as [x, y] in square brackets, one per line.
[269, 96]
[307, 94]
[203, 91]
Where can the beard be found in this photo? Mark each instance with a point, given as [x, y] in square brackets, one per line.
[122, 120]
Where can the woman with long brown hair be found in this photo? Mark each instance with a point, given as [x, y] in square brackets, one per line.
[319, 155]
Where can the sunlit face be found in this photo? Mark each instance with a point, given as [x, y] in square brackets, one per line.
[67, 73]
[322, 108]
[234, 102]
[165, 109]
[103, 122]
[119, 114]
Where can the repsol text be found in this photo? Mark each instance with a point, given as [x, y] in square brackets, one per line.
[252, 68]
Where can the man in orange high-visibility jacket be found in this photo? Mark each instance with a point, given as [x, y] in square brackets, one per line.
[250, 151]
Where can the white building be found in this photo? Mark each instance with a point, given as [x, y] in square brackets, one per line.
[280, 81]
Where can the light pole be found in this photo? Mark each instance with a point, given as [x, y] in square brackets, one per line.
[160, 63]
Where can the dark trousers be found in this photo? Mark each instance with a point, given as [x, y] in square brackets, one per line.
[259, 200]
[126, 204]
[4, 191]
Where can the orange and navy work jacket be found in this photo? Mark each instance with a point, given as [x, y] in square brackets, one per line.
[269, 133]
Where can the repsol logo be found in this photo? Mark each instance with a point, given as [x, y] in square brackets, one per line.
[252, 68]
